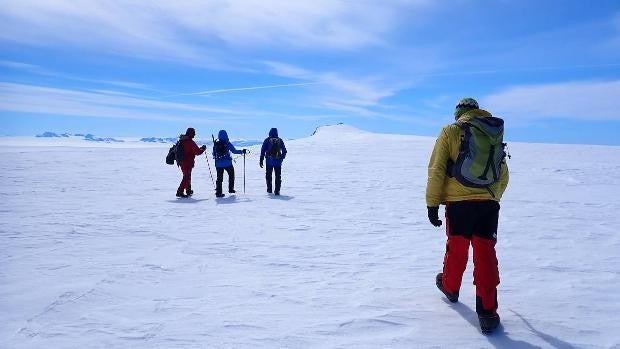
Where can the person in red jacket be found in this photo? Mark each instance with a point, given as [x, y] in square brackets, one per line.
[190, 150]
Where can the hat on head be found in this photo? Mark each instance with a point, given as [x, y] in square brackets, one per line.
[190, 132]
[464, 105]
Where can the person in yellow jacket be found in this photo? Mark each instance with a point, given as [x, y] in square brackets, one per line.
[471, 218]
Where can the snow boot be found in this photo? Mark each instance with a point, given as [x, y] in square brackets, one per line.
[189, 192]
[232, 191]
[488, 322]
[219, 195]
[276, 190]
[180, 194]
[452, 297]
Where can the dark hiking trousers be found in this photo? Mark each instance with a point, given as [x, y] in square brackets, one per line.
[220, 178]
[268, 177]
[472, 222]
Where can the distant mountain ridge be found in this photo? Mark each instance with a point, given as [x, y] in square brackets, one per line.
[159, 140]
[339, 128]
[87, 137]
[92, 138]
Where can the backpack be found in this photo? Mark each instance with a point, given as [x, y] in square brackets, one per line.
[274, 148]
[175, 153]
[221, 149]
[481, 153]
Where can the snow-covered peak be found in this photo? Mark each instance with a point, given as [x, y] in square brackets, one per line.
[338, 129]
[52, 135]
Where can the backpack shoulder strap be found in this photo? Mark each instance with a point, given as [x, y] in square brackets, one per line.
[465, 134]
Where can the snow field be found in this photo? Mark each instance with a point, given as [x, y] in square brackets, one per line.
[95, 250]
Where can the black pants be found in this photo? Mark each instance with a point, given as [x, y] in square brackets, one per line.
[476, 217]
[220, 179]
[278, 171]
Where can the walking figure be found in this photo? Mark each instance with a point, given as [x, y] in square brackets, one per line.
[467, 172]
[188, 150]
[223, 162]
[275, 151]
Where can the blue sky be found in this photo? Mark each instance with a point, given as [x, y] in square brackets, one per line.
[550, 68]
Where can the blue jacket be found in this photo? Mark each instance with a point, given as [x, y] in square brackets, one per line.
[226, 159]
[263, 150]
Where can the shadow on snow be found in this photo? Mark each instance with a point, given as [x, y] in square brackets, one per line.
[280, 197]
[554, 342]
[499, 338]
[186, 200]
[230, 200]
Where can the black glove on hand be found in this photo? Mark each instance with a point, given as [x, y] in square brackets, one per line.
[260, 163]
[204, 147]
[433, 216]
[245, 151]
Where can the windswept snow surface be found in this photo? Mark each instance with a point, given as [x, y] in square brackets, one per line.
[96, 252]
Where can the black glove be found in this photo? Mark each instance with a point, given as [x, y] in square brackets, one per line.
[204, 147]
[245, 151]
[260, 163]
[433, 216]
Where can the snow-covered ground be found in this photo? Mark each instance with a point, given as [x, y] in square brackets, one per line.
[96, 252]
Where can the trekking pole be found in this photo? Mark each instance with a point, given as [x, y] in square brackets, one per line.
[244, 171]
[210, 173]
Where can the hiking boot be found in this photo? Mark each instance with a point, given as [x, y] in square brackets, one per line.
[276, 190]
[232, 191]
[189, 192]
[452, 297]
[180, 194]
[488, 322]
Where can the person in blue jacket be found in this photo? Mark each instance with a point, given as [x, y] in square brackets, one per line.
[275, 151]
[223, 161]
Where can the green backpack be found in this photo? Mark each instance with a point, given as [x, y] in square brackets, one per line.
[481, 153]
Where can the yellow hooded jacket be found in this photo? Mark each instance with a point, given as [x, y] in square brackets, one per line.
[440, 188]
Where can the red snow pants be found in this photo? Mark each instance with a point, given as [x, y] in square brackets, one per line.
[186, 182]
[475, 223]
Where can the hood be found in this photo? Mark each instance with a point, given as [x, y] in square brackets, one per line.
[273, 132]
[485, 122]
[222, 135]
[473, 113]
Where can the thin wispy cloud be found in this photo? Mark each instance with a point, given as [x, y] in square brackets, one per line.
[210, 92]
[38, 70]
[25, 67]
[56, 101]
[33, 99]
[582, 100]
[197, 31]
[18, 65]
[521, 70]
[355, 95]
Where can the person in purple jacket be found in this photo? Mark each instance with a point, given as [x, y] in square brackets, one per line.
[223, 162]
[275, 151]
